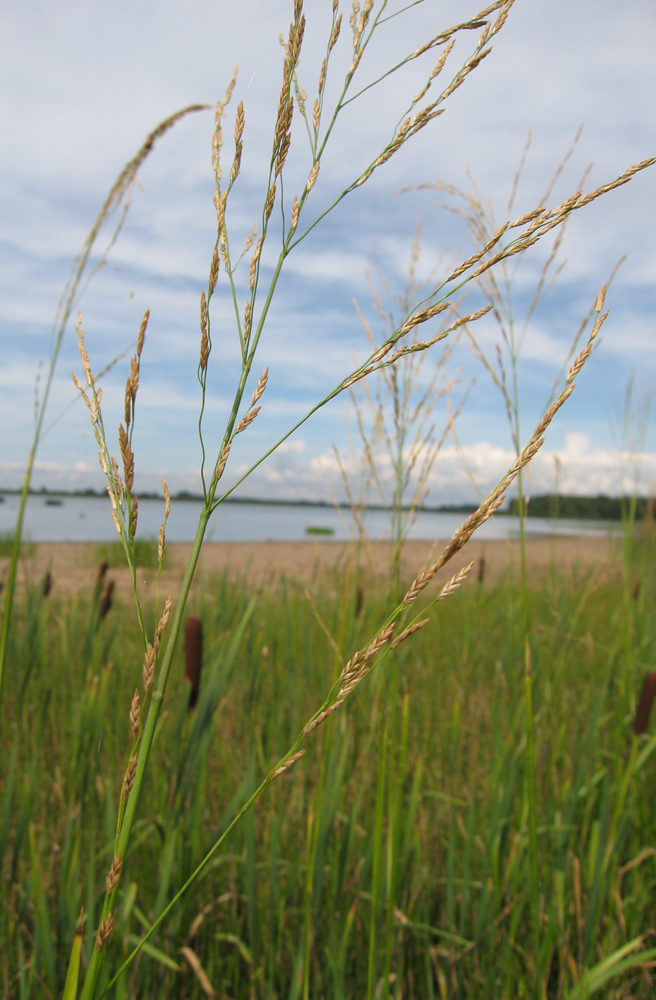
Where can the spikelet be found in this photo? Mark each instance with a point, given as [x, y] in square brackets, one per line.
[135, 709]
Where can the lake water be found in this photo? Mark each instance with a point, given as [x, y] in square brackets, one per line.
[88, 519]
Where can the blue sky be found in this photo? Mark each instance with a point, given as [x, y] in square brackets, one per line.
[82, 85]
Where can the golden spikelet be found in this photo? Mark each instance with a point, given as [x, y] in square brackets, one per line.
[148, 671]
[104, 932]
[114, 874]
[223, 460]
[128, 780]
[314, 173]
[247, 420]
[260, 387]
[294, 222]
[135, 711]
[288, 763]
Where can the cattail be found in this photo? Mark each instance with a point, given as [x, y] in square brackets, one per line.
[193, 657]
[359, 601]
[106, 600]
[643, 710]
[46, 586]
[481, 569]
[100, 579]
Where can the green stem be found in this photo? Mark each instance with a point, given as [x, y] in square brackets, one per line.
[95, 964]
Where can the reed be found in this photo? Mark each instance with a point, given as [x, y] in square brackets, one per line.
[154, 806]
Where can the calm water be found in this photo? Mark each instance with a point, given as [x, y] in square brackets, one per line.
[88, 519]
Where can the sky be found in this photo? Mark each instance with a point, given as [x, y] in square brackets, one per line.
[84, 83]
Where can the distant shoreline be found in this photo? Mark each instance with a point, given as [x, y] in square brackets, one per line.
[551, 506]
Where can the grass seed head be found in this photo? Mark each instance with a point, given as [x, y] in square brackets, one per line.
[223, 461]
[135, 711]
[104, 932]
[148, 667]
[128, 780]
[114, 874]
[142, 332]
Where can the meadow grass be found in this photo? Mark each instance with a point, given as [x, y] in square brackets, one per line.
[414, 877]
[395, 858]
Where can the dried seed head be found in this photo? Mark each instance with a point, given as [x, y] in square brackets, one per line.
[214, 271]
[239, 123]
[128, 401]
[270, 199]
[117, 524]
[316, 114]
[220, 205]
[260, 387]
[204, 350]
[148, 667]
[135, 710]
[161, 544]
[288, 763]
[282, 153]
[134, 375]
[103, 463]
[163, 622]
[142, 332]
[294, 221]
[314, 173]
[335, 33]
[167, 499]
[114, 874]
[322, 79]
[247, 321]
[104, 932]
[247, 420]
[223, 460]
[128, 780]
[601, 298]
[134, 510]
[127, 456]
[408, 632]
[78, 384]
[112, 496]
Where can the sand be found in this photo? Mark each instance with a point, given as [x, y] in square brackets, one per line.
[73, 566]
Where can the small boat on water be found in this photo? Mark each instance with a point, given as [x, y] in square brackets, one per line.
[54, 502]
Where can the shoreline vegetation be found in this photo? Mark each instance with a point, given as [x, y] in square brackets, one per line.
[548, 505]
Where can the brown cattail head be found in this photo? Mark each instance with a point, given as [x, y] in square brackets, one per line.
[193, 656]
[46, 585]
[106, 599]
[100, 579]
[480, 576]
[359, 601]
[643, 710]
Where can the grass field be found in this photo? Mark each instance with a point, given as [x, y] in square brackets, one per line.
[393, 859]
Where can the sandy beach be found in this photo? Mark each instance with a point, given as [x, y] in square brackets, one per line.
[73, 566]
